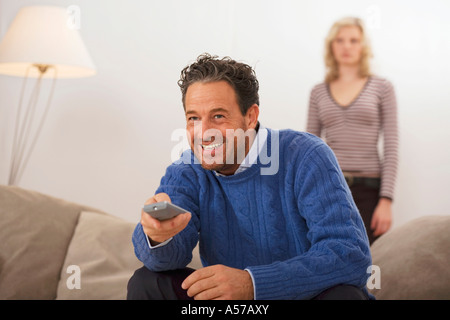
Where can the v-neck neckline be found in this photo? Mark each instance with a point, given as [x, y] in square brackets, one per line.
[351, 102]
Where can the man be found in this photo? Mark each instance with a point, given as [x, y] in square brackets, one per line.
[281, 229]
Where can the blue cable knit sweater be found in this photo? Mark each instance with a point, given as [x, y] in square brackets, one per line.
[297, 232]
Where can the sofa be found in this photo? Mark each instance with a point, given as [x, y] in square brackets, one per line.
[52, 248]
[414, 260]
[55, 249]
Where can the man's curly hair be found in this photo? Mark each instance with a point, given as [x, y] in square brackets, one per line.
[239, 75]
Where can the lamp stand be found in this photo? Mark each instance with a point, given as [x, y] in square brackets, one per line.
[22, 147]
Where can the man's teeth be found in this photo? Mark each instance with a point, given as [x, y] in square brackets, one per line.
[211, 146]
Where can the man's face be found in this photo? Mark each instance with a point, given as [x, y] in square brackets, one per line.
[212, 112]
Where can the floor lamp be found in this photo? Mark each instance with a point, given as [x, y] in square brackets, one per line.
[41, 42]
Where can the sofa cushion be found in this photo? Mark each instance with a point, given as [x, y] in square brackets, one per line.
[414, 260]
[101, 248]
[35, 232]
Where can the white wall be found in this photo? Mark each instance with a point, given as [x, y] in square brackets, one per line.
[107, 141]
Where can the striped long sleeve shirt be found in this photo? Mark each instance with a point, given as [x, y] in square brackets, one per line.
[353, 131]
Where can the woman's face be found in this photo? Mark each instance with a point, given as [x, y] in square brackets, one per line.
[347, 47]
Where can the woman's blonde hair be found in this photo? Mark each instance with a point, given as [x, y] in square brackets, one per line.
[332, 72]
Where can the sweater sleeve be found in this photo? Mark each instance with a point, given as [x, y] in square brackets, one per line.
[390, 143]
[179, 184]
[339, 250]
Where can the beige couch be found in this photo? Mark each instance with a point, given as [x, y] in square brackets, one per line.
[414, 260]
[42, 237]
[43, 240]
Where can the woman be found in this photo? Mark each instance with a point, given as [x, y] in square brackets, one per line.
[350, 110]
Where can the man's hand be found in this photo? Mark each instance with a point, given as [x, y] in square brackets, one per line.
[160, 231]
[219, 282]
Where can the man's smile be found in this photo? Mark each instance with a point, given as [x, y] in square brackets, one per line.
[211, 146]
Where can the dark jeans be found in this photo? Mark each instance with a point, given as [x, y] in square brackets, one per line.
[149, 285]
[366, 195]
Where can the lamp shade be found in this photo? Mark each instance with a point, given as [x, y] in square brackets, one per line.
[42, 35]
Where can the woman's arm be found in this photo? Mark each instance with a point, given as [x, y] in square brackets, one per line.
[313, 125]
